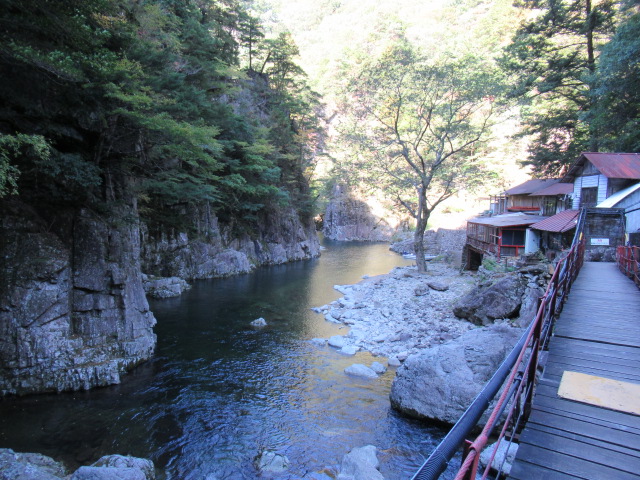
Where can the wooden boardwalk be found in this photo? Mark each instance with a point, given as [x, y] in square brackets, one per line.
[598, 333]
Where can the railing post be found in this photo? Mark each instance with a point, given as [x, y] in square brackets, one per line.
[535, 349]
[470, 474]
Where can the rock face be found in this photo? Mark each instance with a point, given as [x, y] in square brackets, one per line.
[348, 218]
[444, 242]
[216, 251]
[73, 313]
[441, 382]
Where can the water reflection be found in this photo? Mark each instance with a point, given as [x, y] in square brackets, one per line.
[219, 391]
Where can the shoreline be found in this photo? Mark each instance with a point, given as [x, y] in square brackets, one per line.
[400, 313]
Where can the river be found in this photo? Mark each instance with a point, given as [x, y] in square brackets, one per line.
[219, 391]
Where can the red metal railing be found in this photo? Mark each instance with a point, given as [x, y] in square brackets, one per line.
[628, 259]
[517, 392]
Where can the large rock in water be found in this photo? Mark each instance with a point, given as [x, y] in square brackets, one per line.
[73, 313]
[502, 299]
[441, 382]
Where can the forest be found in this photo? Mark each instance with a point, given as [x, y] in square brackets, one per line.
[175, 102]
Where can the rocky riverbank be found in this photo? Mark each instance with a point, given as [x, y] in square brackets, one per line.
[446, 330]
[400, 313]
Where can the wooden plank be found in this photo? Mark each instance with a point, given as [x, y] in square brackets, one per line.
[524, 470]
[586, 440]
[575, 448]
[571, 465]
[597, 333]
[546, 397]
[615, 436]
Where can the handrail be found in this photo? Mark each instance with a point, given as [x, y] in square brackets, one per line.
[628, 259]
[520, 366]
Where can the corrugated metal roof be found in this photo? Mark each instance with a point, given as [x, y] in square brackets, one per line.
[560, 222]
[556, 189]
[532, 186]
[508, 220]
[611, 165]
[618, 196]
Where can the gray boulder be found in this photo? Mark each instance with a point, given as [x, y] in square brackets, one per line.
[121, 461]
[360, 464]
[272, 462]
[32, 466]
[441, 382]
[360, 370]
[500, 300]
[114, 473]
[337, 341]
[164, 287]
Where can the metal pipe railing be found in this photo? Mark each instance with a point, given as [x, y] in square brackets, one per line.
[520, 367]
[628, 259]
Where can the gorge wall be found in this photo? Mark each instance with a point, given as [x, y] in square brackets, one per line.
[213, 249]
[349, 217]
[73, 312]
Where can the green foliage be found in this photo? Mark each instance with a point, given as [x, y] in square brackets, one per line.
[549, 62]
[145, 97]
[616, 96]
[418, 126]
[12, 147]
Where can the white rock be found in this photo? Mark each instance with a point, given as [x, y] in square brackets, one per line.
[331, 319]
[272, 462]
[360, 464]
[360, 370]
[337, 341]
[349, 350]
[318, 342]
[504, 449]
[259, 322]
[378, 367]
[394, 362]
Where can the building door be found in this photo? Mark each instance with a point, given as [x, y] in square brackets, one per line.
[589, 197]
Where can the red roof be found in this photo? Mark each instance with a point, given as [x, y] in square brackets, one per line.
[559, 223]
[532, 186]
[611, 165]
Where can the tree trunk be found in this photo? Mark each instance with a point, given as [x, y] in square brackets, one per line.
[422, 218]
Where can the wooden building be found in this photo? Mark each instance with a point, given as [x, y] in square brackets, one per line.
[552, 235]
[537, 196]
[500, 236]
[598, 176]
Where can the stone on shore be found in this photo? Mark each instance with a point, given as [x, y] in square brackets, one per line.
[349, 350]
[486, 304]
[441, 382]
[34, 466]
[360, 464]
[337, 341]
[378, 368]
[164, 287]
[360, 370]
[504, 457]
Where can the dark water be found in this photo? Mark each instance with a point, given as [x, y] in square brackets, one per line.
[218, 391]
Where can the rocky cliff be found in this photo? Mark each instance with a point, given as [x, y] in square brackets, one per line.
[213, 249]
[73, 314]
[349, 217]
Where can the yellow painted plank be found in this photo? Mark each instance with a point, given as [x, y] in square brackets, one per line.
[600, 391]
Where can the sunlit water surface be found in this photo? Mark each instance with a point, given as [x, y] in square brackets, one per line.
[218, 391]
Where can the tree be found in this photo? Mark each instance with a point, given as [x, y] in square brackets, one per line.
[550, 61]
[616, 95]
[419, 126]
